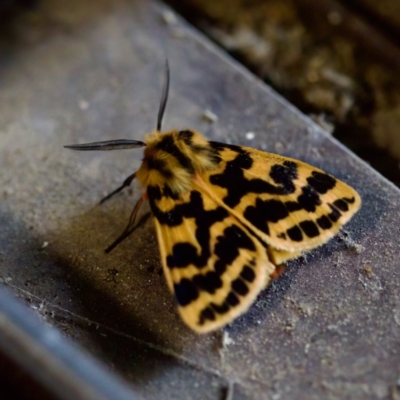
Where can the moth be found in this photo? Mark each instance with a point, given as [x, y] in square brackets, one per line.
[227, 216]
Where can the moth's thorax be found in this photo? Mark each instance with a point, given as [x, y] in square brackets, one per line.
[171, 159]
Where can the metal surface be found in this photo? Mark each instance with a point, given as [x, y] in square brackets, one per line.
[92, 70]
[59, 368]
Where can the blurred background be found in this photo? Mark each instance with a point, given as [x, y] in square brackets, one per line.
[337, 61]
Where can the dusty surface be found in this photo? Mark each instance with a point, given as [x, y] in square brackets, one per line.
[85, 71]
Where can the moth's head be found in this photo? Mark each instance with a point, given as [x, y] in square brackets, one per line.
[126, 143]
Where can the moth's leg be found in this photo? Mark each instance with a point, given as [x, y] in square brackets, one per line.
[279, 270]
[126, 183]
[128, 230]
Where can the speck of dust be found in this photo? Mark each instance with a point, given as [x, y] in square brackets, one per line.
[209, 116]
[250, 135]
[83, 105]
[169, 17]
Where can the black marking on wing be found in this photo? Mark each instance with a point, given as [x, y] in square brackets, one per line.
[349, 201]
[232, 299]
[285, 175]
[309, 228]
[185, 253]
[248, 274]
[341, 204]
[227, 247]
[295, 233]
[321, 182]
[335, 214]
[233, 179]
[264, 212]
[206, 314]
[309, 199]
[324, 222]
[239, 289]
[185, 292]
[209, 282]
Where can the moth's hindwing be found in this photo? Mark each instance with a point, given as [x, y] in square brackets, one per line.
[290, 205]
[212, 263]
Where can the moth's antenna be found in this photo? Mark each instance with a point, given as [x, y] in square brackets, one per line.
[164, 97]
[107, 145]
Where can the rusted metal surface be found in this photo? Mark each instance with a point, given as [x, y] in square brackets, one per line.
[90, 71]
